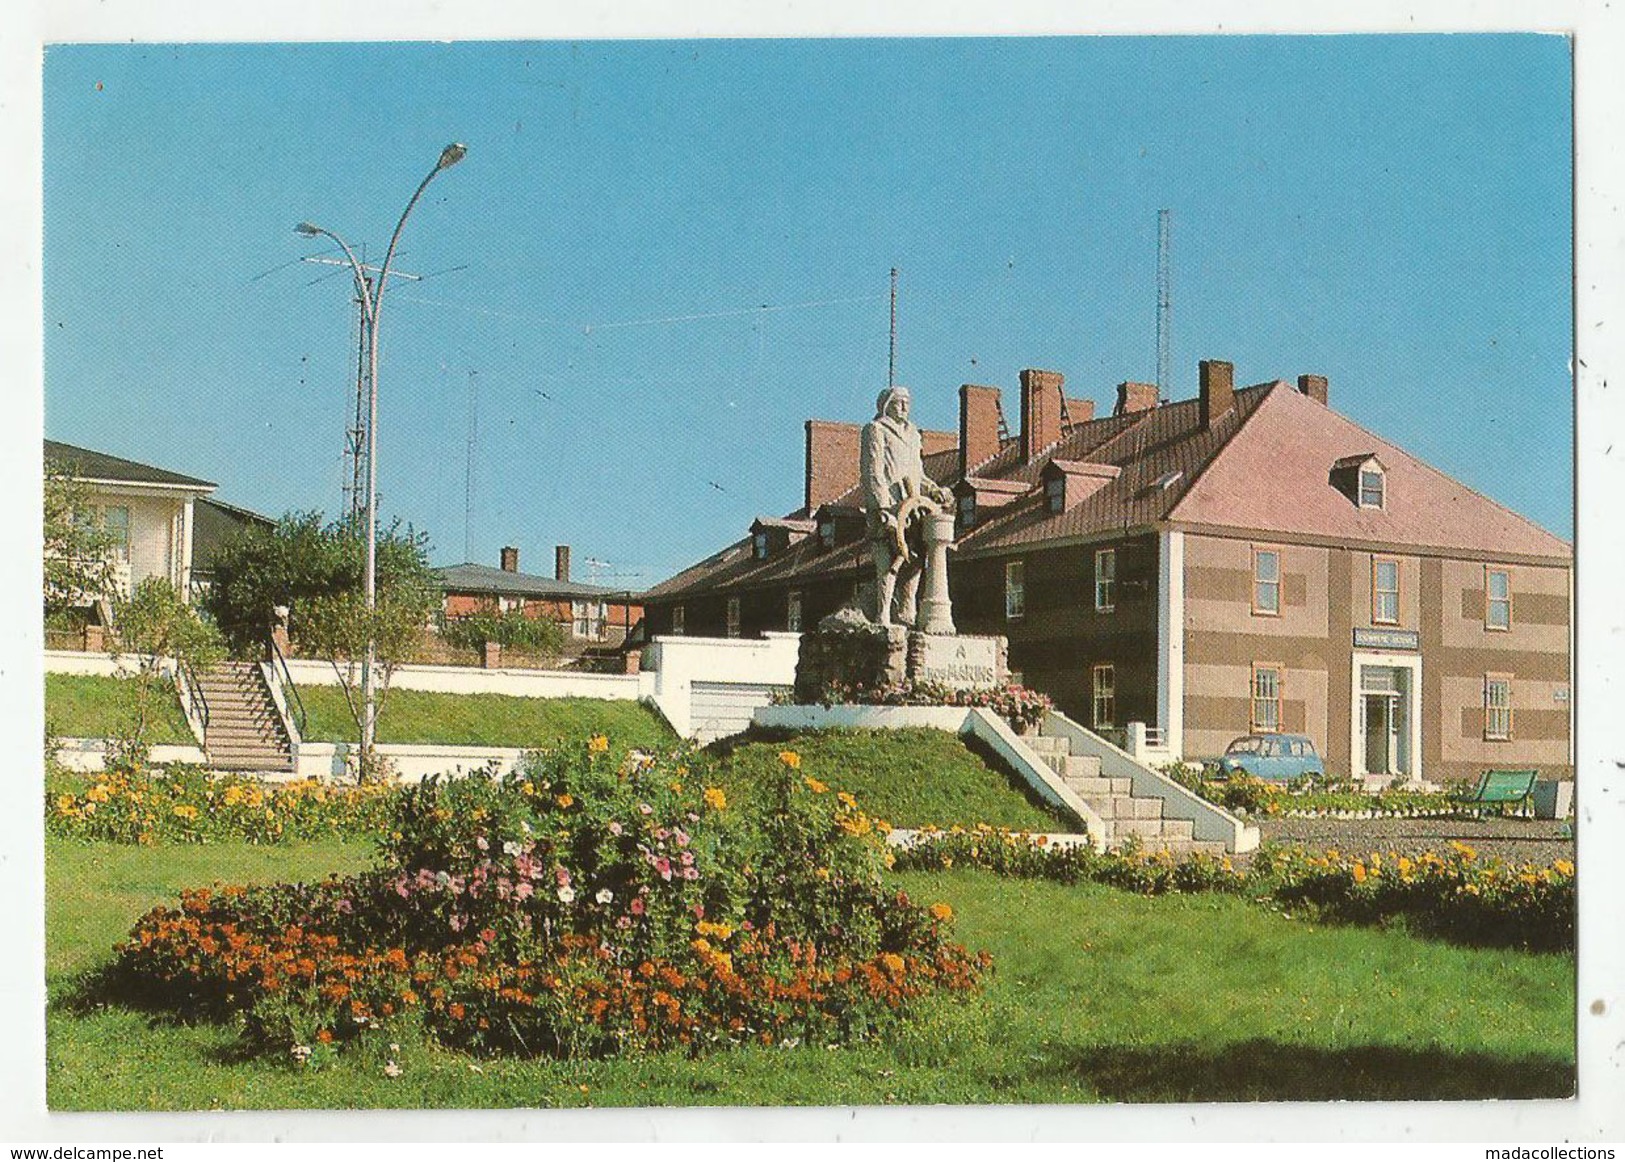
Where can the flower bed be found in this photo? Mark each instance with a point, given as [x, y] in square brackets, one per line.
[1023, 707]
[186, 804]
[1253, 796]
[582, 906]
[1453, 896]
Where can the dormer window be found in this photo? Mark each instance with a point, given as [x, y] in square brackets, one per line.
[967, 511]
[758, 545]
[1362, 479]
[1055, 493]
[1372, 484]
[826, 533]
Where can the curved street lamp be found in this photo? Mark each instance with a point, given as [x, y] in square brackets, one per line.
[372, 297]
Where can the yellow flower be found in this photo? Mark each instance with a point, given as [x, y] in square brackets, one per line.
[185, 811]
[1359, 872]
[891, 860]
[715, 799]
[98, 794]
[847, 799]
[566, 800]
[942, 911]
[893, 963]
[528, 788]
[676, 788]
[814, 785]
[64, 803]
[597, 744]
[790, 759]
[822, 873]
[1563, 867]
[883, 827]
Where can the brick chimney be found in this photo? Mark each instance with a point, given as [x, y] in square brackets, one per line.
[1135, 397]
[1080, 411]
[1040, 412]
[561, 562]
[510, 559]
[1313, 386]
[978, 425]
[1218, 390]
[832, 461]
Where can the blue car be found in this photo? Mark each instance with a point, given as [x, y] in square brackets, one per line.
[1275, 758]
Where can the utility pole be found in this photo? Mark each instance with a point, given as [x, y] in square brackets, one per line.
[1165, 305]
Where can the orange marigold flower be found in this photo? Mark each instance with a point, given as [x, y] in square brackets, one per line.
[566, 800]
[456, 1010]
[942, 911]
[1359, 872]
[715, 799]
[815, 786]
[598, 743]
[790, 759]
[325, 1036]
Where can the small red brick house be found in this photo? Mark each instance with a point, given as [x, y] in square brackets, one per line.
[1248, 560]
[589, 615]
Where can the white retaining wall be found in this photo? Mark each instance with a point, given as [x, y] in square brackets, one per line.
[89, 754]
[98, 665]
[737, 675]
[410, 761]
[469, 680]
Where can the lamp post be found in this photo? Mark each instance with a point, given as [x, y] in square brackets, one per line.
[372, 296]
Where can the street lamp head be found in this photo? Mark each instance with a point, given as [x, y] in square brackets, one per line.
[452, 154]
[307, 230]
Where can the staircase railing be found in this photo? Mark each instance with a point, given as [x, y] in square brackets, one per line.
[285, 677]
[192, 699]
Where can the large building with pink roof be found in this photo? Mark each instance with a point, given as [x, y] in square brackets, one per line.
[1244, 561]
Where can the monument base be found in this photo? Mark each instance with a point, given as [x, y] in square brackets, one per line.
[853, 653]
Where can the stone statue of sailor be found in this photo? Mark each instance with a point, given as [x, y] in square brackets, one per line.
[897, 495]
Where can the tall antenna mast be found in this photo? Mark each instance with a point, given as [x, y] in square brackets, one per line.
[468, 476]
[1165, 306]
[891, 356]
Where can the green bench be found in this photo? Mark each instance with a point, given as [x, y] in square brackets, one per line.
[1498, 787]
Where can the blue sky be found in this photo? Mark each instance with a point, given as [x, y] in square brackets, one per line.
[1392, 212]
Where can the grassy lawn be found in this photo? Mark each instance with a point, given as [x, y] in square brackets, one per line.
[85, 706]
[908, 777]
[487, 719]
[1096, 995]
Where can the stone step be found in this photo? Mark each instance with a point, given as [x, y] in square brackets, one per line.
[251, 763]
[1124, 807]
[228, 753]
[1183, 847]
[1046, 745]
[1154, 828]
[1081, 766]
[1096, 786]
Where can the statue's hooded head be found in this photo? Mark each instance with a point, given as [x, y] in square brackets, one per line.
[892, 396]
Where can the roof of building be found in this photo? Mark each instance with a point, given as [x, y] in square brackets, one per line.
[483, 580]
[1264, 465]
[86, 464]
[213, 524]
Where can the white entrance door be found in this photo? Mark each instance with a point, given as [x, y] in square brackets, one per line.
[1386, 716]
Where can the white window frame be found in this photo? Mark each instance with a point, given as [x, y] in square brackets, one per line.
[733, 617]
[1103, 705]
[1260, 697]
[118, 533]
[1262, 584]
[1378, 593]
[588, 619]
[1497, 707]
[1105, 580]
[1015, 590]
[1491, 601]
[1381, 490]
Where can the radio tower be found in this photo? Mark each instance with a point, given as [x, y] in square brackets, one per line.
[1165, 306]
[891, 347]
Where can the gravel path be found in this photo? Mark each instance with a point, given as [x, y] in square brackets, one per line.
[1512, 840]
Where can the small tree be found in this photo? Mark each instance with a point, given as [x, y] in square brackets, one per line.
[506, 628]
[78, 550]
[155, 626]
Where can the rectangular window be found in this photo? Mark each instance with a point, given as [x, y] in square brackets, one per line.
[1384, 591]
[1497, 598]
[758, 544]
[1498, 707]
[1105, 580]
[1055, 490]
[1371, 488]
[733, 617]
[116, 520]
[588, 618]
[1015, 590]
[967, 511]
[1266, 698]
[792, 612]
[677, 618]
[1267, 581]
[826, 533]
[1105, 695]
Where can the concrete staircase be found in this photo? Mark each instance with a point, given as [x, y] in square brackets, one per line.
[244, 732]
[1123, 812]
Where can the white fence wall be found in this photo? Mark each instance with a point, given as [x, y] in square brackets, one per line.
[468, 680]
[734, 675]
[97, 665]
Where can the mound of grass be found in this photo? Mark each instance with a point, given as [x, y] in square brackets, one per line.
[910, 778]
[418, 716]
[1097, 996]
[89, 706]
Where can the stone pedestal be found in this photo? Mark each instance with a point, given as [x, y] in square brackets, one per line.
[936, 615]
[853, 652]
